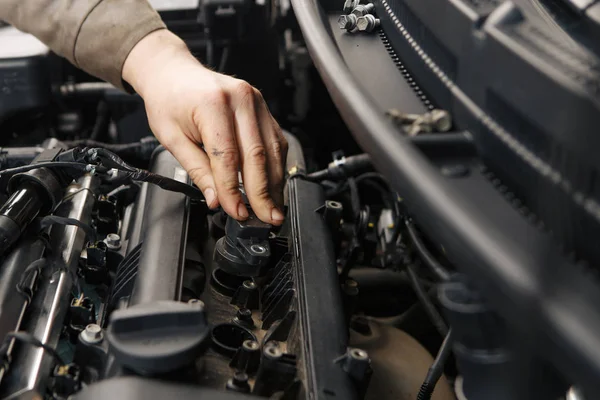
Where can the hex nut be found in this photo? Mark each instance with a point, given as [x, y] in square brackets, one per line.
[350, 5]
[92, 334]
[363, 9]
[347, 22]
[367, 23]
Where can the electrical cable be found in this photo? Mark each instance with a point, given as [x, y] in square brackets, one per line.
[435, 317]
[50, 220]
[437, 368]
[36, 265]
[111, 160]
[25, 337]
[429, 260]
[54, 164]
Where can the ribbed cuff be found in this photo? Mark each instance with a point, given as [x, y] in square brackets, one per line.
[108, 35]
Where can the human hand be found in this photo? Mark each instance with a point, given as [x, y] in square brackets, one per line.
[189, 106]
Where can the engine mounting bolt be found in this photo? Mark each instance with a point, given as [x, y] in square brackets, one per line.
[272, 351]
[239, 383]
[347, 22]
[363, 9]
[244, 317]
[113, 241]
[92, 334]
[350, 5]
[367, 23]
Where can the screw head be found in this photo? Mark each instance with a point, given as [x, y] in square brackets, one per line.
[350, 5]
[92, 334]
[250, 345]
[249, 285]
[367, 23]
[441, 120]
[359, 354]
[196, 303]
[273, 351]
[347, 22]
[113, 241]
[258, 249]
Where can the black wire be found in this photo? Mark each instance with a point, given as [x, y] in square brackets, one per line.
[426, 256]
[437, 368]
[29, 339]
[36, 265]
[110, 159]
[354, 197]
[52, 164]
[428, 306]
[50, 220]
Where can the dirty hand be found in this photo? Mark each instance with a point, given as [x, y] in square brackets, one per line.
[190, 106]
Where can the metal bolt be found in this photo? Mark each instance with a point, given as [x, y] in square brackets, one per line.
[273, 351]
[363, 9]
[334, 204]
[350, 5]
[367, 23]
[347, 22]
[196, 302]
[258, 249]
[244, 317]
[113, 241]
[249, 285]
[441, 120]
[239, 383]
[359, 354]
[250, 344]
[92, 334]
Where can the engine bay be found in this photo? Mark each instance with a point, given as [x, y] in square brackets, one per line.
[117, 281]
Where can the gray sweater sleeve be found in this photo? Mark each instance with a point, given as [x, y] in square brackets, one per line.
[94, 35]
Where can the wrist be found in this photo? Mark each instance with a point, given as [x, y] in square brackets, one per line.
[152, 55]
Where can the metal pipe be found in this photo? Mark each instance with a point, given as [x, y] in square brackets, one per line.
[30, 368]
[13, 305]
[164, 233]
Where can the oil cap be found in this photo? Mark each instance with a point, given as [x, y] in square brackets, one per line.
[158, 337]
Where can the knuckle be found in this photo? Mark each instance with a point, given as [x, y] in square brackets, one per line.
[228, 157]
[198, 175]
[256, 155]
[244, 89]
[279, 148]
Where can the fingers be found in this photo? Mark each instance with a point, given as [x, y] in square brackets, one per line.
[195, 161]
[218, 134]
[254, 157]
[277, 148]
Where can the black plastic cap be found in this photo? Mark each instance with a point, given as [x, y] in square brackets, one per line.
[158, 337]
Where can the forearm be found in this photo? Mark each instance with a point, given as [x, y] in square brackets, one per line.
[95, 35]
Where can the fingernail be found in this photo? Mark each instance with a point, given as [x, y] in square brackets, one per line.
[242, 212]
[277, 215]
[209, 195]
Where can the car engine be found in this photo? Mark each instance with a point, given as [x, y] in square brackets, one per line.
[411, 270]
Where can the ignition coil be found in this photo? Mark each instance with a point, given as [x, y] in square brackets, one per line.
[245, 249]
